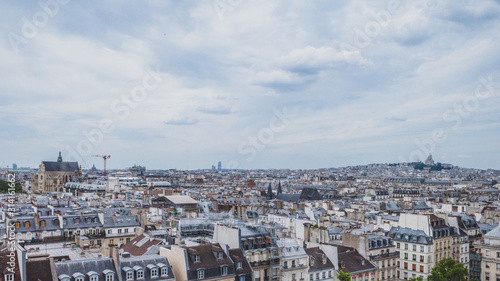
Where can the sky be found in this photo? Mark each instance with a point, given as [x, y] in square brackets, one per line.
[251, 83]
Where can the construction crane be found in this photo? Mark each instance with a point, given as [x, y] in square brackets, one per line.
[105, 157]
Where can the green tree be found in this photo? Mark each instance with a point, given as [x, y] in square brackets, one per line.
[448, 270]
[344, 276]
[417, 279]
[4, 187]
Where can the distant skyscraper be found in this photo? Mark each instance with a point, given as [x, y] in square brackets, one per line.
[14, 166]
[219, 166]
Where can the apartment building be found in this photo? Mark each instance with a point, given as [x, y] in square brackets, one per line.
[416, 252]
[379, 249]
[489, 248]
[294, 259]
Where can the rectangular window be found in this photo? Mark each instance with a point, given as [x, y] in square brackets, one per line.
[397, 245]
[422, 249]
[154, 272]
[406, 265]
[224, 270]
[415, 248]
[164, 271]
[406, 246]
[201, 274]
[140, 274]
[130, 275]
[109, 277]
[414, 267]
[9, 277]
[414, 257]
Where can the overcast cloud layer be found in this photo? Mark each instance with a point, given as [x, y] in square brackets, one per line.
[251, 83]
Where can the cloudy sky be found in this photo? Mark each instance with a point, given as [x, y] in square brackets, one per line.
[251, 83]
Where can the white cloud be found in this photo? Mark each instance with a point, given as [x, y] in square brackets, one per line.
[221, 80]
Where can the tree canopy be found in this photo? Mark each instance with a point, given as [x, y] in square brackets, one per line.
[448, 270]
[4, 187]
[344, 276]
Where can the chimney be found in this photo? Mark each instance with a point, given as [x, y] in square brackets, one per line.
[37, 221]
[115, 255]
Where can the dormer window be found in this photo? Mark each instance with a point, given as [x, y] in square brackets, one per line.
[219, 255]
[154, 272]
[130, 275]
[140, 274]
[324, 259]
[78, 276]
[196, 258]
[164, 271]
[62, 277]
[201, 273]
[110, 277]
[93, 276]
[239, 265]
[223, 270]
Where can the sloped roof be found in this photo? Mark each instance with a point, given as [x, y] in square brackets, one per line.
[317, 255]
[38, 269]
[51, 166]
[494, 233]
[142, 245]
[85, 266]
[181, 199]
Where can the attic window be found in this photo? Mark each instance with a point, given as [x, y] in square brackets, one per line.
[164, 271]
[196, 258]
[9, 277]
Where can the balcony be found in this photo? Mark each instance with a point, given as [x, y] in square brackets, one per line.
[300, 266]
[384, 256]
[483, 244]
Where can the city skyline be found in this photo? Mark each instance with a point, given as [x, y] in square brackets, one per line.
[252, 84]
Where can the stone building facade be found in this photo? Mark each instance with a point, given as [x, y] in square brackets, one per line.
[53, 175]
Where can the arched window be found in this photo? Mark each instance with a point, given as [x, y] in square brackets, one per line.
[27, 224]
[18, 224]
[42, 223]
